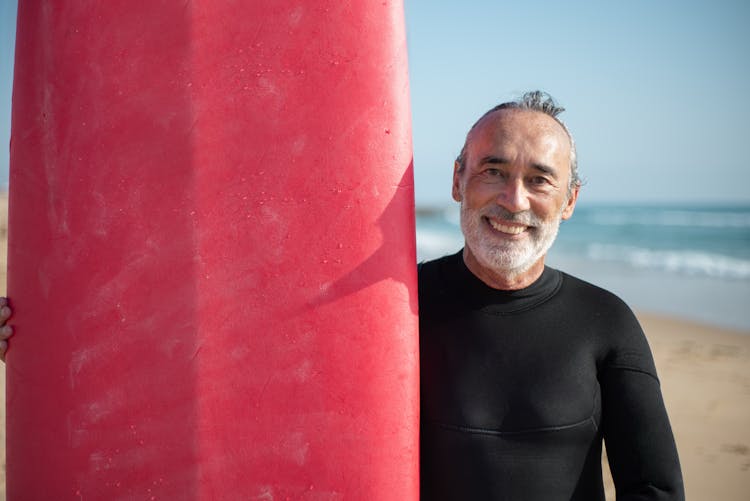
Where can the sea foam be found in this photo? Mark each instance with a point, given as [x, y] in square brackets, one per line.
[689, 262]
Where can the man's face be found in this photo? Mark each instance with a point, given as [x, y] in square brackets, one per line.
[513, 192]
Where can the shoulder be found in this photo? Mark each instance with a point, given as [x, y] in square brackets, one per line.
[436, 282]
[594, 298]
[439, 262]
[622, 339]
[432, 271]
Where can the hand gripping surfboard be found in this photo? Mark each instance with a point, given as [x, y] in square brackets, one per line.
[211, 252]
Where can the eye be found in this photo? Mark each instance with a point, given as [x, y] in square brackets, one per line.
[539, 180]
[492, 175]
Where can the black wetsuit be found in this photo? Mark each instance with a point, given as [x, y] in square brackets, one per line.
[520, 387]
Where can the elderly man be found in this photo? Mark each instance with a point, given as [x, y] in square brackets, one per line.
[525, 369]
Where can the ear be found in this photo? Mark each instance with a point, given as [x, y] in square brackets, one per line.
[457, 182]
[570, 205]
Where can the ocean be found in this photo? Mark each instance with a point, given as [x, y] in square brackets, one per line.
[690, 262]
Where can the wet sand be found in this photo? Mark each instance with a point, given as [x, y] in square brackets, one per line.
[705, 378]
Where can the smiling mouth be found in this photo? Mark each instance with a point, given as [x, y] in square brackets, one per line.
[507, 229]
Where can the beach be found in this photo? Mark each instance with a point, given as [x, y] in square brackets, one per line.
[705, 375]
[705, 378]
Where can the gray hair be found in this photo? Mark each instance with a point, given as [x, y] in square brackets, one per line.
[542, 102]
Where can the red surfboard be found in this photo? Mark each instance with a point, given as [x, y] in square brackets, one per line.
[211, 252]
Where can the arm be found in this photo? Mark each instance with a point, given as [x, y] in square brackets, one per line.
[5, 330]
[640, 445]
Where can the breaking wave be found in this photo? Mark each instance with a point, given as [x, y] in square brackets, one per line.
[689, 262]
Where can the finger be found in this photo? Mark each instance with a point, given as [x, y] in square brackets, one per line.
[5, 313]
[3, 301]
[6, 331]
[3, 348]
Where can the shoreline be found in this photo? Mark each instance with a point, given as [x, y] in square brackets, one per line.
[708, 301]
[684, 261]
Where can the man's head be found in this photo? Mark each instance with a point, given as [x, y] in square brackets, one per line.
[535, 101]
[516, 179]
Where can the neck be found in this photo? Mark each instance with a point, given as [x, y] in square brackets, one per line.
[508, 280]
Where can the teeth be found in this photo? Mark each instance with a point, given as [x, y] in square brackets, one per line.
[511, 230]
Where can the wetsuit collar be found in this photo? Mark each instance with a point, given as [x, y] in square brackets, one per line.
[478, 295]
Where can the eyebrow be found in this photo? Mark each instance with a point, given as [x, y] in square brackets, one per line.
[545, 169]
[492, 160]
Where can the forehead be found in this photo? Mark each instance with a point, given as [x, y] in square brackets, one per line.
[527, 131]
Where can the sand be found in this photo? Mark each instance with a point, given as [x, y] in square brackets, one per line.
[705, 376]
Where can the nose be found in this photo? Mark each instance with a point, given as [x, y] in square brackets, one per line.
[513, 196]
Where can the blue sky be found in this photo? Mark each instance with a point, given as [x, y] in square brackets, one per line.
[656, 91]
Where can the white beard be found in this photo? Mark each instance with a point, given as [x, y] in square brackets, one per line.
[502, 256]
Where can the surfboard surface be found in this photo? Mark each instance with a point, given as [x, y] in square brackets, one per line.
[211, 252]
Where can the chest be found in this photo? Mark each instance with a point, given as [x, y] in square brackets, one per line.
[508, 373]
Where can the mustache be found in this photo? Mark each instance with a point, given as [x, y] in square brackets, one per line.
[525, 217]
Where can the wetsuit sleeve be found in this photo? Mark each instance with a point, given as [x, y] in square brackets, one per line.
[640, 445]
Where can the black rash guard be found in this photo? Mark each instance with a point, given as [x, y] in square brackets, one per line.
[519, 388]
